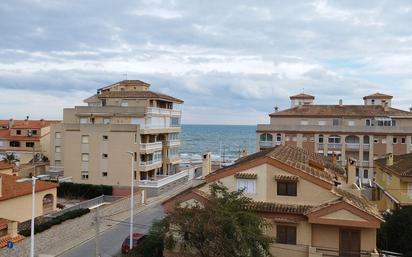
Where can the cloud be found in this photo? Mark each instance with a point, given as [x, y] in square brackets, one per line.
[231, 61]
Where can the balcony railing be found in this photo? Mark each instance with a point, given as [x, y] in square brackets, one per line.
[163, 111]
[173, 142]
[151, 146]
[166, 180]
[265, 143]
[334, 146]
[148, 165]
[352, 145]
[364, 163]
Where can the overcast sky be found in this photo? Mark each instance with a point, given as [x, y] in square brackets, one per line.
[230, 61]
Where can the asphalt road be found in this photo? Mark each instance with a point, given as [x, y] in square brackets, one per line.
[112, 239]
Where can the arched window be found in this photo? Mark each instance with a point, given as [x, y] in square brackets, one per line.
[352, 140]
[279, 137]
[266, 137]
[14, 143]
[334, 139]
[366, 140]
[48, 203]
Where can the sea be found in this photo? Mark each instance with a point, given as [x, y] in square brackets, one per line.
[224, 141]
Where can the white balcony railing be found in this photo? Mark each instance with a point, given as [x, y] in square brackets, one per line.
[334, 145]
[174, 142]
[151, 146]
[352, 145]
[364, 163]
[144, 165]
[164, 181]
[163, 111]
[265, 143]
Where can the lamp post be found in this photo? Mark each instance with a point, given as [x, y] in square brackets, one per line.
[131, 202]
[33, 207]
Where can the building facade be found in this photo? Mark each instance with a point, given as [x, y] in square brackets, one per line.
[25, 138]
[393, 181]
[96, 143]
[363, 132]
[313, 204]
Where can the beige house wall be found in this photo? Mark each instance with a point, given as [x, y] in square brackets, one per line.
[19, 208]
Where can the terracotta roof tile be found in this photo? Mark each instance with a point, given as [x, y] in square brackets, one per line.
[29, 124]
[277, 208]
[11, 188]
[3, 223]
[286, 178]
[340, 111]
[402, 164]
[6, 165]
[5, 134]
[246, 175]
[302, 96]
[377, 96]
[131, 83]
[4, 239]
[138, 94]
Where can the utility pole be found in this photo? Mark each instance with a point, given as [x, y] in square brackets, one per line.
[97, 233]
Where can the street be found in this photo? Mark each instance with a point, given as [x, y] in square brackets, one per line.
[112, 239]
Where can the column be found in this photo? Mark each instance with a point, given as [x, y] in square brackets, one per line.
[325, 144]
[316, 139]
[299, 140]
[12, 228]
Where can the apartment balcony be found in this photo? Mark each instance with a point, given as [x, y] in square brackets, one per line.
[108, 111]
[337, 146]
[354, 146]
[160, 128]
[261, 128]
[150, 147]
[165, 180]
[364, 163]
[173, 143]
[163, 111]
[265, 143]
[150, 165]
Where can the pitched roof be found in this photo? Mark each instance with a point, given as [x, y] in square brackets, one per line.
[11, 188]
[377, 96]
[302, 96]
[138, 94]
[340, 111]
[29, 124]
[402, 164]
[131, 83]
[297, 158]
[277, 207]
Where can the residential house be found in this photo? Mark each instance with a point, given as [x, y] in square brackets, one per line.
[314, 205]
[94, 142]
[362, 132]
[25, 138]
[16, 203]
[393, 181]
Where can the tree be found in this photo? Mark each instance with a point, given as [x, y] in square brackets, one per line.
[10, 158]
[219, 227]
[396, 233]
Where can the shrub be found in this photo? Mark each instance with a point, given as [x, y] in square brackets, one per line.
[85, 191]
[55, 221]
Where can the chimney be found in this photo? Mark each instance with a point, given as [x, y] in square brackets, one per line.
[389, 159]
[340, 102]
[42, 122]
[11, 123]
[351, 171]
[243, 153]
[206, 164]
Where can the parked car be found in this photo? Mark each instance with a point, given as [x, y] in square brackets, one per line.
[137, 239]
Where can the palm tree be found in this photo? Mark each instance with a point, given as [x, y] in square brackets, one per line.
[10, 158]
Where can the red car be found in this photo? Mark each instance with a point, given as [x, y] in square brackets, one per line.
[137, 239]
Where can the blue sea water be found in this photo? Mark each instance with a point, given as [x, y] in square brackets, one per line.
[224, 141]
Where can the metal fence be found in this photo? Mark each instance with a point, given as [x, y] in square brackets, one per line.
[86, 204]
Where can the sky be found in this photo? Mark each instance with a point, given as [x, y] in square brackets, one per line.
[231, 62]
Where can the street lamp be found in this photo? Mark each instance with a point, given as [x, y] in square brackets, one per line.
[33, 207]
[131, 202]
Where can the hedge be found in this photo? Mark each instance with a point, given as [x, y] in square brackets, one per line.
[55, 221]
[85, 191]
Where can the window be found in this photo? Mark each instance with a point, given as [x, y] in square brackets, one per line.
[403, 140]
[321, 123]
[124, 103]
[248, 185]
[85, 175]
[304, 122]
[174, 122]
[105, 155]
[57, 149]
[58, 135]
[373, 101]
[57, 162]
[85, 139]
[351, 123]
[34, 132]
[106, 121]
[104, 174]
[266, 137]
[18, 132]
[285, 234]
[336, 122]
[85, 157]
[320, 139]
[105, 138]
[365, 174]
[369, 122]
[288, 188]
[14, 143]
[92, 120]
[410, 189]
[29, 144]
[395, 140]
[334, 139]
[84, 121]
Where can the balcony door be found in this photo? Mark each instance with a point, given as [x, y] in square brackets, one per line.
[349, 243]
